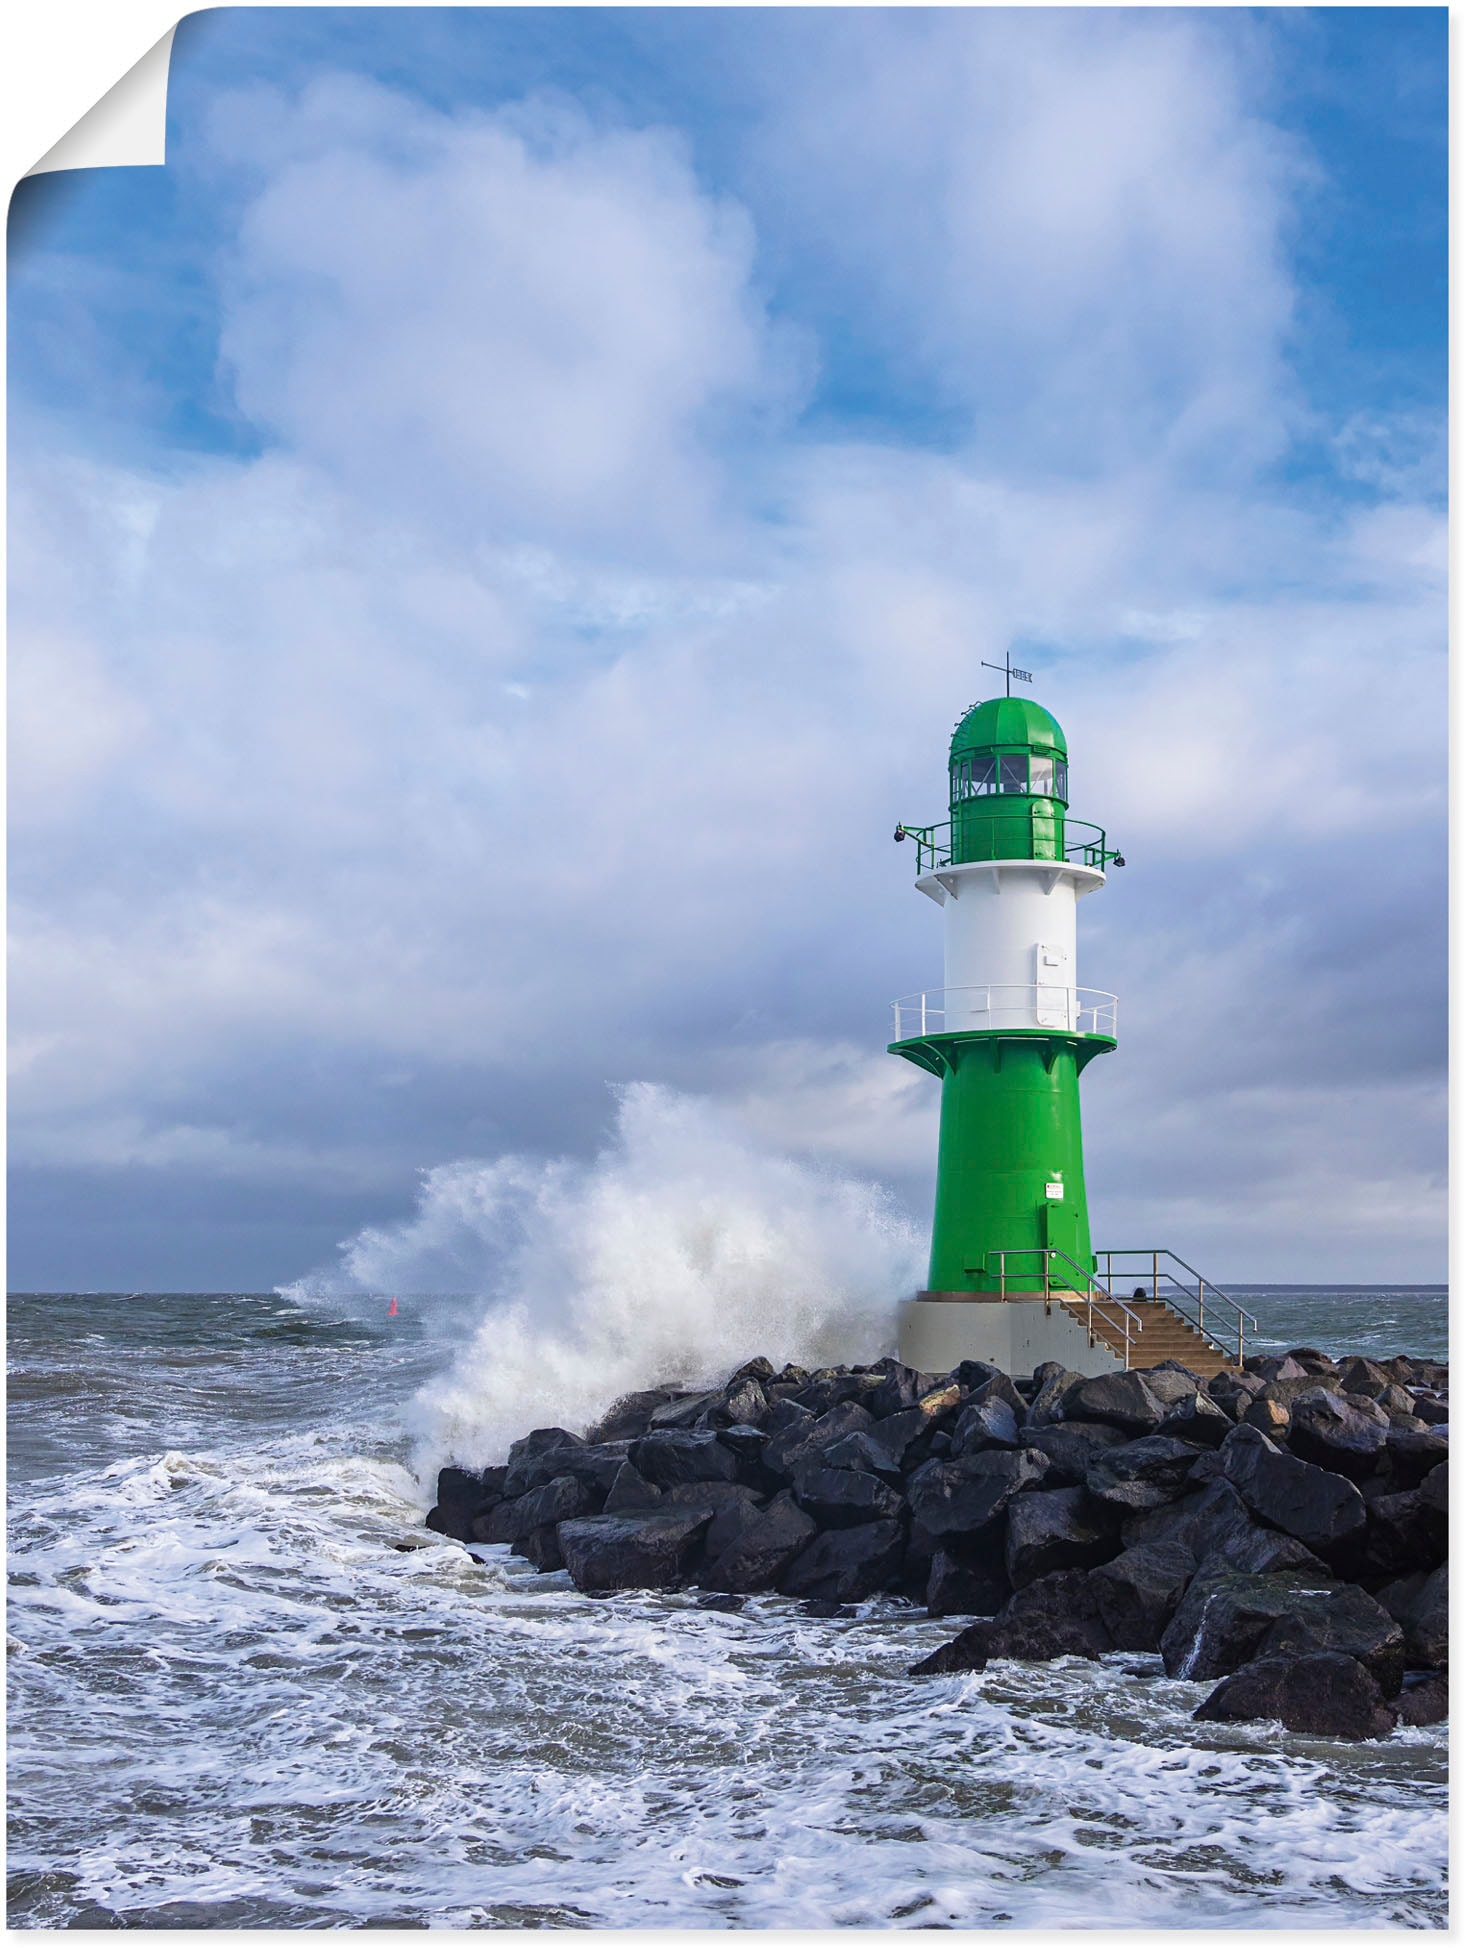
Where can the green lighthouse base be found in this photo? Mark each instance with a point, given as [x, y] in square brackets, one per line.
[938, 1330]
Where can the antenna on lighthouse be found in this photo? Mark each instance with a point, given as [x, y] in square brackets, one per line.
[1010, 669]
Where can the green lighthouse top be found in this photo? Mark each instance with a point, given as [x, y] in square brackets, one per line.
[1008, 722]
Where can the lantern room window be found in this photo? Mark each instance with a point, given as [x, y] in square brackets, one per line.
[1041, 775]
[973, 777]
[1013, 772]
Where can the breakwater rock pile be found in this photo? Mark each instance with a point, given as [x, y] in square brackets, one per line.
[1281, 1528]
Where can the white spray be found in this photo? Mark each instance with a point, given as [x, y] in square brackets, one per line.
[680, 1251]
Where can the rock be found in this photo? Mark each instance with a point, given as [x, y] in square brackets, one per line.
[668, 1456]
[1435, 1413]
[846, 1565]
[1337, 1433]
[973, 1375]
[1435, 1490]
[1196, 1418]
[717, 1600]
[997, 1387]
[1364, 1376]
[833, 1389]
[957, 1585]
[1420, 1604]
[629, 1489]
[1425, 1702]
[524, 1451]
[900, 1389]
[787, 1413]
[940, 1405]
[1071, 1446]
[744, 1404]
[714, 1498]
[753, 1546]
[1326, 1694]
[1259, 1551]
[1227, 1618]
[541, 1547]
[1057, 1528]
[1401, 1535]
[784, 1449]
[989, 1423]
[558, 1501]
[1411, 1457]
[1123, 1400]
[1171, 1383]
[1321, 1509]
[957, 1497]
[758, 1369]
[680, 1410]
[1137, 1593]
[595, 1466]
[1054, 1384]
[1054, 1617]
[864, 1454]
[1269, 1416]
[1395, 1399]
[470, 1488]
[1312, 1360]
[838, 1498]
[747, 1445]
[1275, 1368]
[629, 1417]
[636, 1551]
[1141, 1474]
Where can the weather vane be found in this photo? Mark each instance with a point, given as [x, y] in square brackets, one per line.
[1010, 670]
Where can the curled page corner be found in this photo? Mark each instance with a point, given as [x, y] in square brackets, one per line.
[126, 127]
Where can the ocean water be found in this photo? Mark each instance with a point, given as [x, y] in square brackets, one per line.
[248, 1689]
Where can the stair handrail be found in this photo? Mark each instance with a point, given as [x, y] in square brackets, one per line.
[1086, 1291]
[1203, 1287]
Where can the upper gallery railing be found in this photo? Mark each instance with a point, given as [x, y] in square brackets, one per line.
[1005, 1004]
[1084, 844]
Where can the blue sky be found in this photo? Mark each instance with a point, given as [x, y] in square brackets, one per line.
[507, 517]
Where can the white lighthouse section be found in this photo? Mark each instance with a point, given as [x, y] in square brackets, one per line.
[1010, 947]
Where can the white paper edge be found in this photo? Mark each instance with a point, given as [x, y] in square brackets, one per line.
[127, 127]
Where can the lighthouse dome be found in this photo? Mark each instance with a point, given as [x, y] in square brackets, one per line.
[1009, 723]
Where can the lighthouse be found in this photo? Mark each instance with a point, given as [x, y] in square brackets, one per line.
[1014, 1279]
[1009, 1034]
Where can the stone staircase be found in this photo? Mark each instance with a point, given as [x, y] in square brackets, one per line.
[1163, 1335]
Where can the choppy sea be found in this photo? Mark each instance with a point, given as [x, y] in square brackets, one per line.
[247, 1689]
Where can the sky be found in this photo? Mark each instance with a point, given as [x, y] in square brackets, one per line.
[505, 521]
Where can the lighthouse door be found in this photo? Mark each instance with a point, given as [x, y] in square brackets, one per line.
[1051, 991]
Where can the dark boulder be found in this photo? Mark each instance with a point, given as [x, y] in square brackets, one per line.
[595, 1465]
[1054, 1617]
[1321, 1509]
[1057, 1528]
[1137, 1593]
[524, 1452]
[832, 1389]
[957, 1497]
[637, 1551]
[629, 1489]
[1312, 1360]
[471, 1488]
[997, 1387]
[630, 1415]
[1411, 1457]
[669, 1456]
[1275, 1367]
[1269, 1416]
[541, 1548]
[1435, 1491]
[714, 1497]
[743, 1404]
[1435, 1413]
[988, 1423]
[1054, 1382]
[1141, 1474]
[846, 1565]
[865, 1454]
[1071, 1445]
[1196, 1418]
[682, 1410]
[1401, 1535]
[785, 1449]
[1426, 1702]
[1420, 1604]
[1326, 1695]
[959, 1585]
[900, 1389]
[748, 1445]
[558, 1501]
[1123, 1400]
[1171, 1383]
[1359, 1375]
[748, 1548]
[786, 1413]
[1227, 1618]
[1345, 1436]
[839, 1498]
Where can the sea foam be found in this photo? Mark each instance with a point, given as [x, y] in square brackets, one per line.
[679, 1250]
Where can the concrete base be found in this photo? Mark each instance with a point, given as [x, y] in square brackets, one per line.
[1014, 1334]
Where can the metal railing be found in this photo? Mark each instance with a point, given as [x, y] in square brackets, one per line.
[1089, 1292]
[1018, 1004]
[1179, 1293]
[1083, 843]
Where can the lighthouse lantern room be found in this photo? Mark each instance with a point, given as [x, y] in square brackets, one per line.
[1013, 1277]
